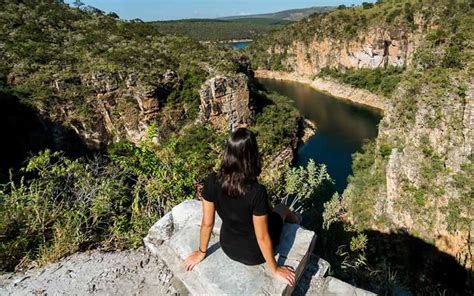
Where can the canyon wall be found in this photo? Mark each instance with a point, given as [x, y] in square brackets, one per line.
[416, 177]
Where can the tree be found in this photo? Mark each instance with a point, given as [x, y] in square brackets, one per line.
[113, 15]
[367, 5]
[78, 3]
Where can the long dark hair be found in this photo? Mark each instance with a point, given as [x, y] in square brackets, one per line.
[241, 164]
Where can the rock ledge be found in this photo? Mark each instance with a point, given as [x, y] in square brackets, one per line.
[176, 235]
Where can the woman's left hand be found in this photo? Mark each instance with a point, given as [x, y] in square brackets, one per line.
[193, 259]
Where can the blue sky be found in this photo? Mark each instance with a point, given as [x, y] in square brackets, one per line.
[149, 10]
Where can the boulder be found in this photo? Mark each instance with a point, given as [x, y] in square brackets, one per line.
[176, 235]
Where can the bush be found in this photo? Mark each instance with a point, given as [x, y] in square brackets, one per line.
[277, 123]
[59, 206]
[304, 185]
[378, 80]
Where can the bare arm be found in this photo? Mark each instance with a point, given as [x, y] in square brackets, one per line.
[207, 224]
[283, 273]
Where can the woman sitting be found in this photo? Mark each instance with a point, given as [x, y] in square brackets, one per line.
[250, 228]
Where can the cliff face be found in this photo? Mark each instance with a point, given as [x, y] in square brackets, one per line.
[119, 106]
[123, 107]
[345, 39]
[225, 102]
[423, 190]
[417, 176]
[372, 48]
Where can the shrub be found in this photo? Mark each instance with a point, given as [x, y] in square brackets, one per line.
[304, 185]
[276, 125]
[59, 206]
[378, 80]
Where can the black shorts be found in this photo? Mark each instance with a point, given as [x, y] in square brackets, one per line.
[275, 226]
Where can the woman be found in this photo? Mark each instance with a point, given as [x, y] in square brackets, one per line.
[250, 229]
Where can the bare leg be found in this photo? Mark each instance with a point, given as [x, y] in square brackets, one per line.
[286, 214]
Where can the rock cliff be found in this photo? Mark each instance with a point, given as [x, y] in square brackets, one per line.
[121, 107]
[343, 39]
[417, 176]
[372, 48]
[225, 102]
[124, 106]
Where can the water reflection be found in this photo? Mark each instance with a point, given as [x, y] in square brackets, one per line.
[342, 127]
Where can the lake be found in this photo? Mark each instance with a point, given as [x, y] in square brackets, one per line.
[239, 45]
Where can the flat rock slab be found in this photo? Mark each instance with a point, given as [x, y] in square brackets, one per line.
[133, 272]
[176, 235]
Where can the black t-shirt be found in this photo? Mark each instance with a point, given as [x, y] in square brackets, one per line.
[237, 237]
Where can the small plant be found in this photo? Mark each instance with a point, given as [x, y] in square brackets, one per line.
[303, 184]
[332, 211]
[354, 257]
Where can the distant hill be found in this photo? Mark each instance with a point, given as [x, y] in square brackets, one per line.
[289, 15]
[220, 30]
[236, 27]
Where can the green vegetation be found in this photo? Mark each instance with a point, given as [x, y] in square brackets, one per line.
[221, 30]
[277, 123]
[56, 206]
[68, 205]
[378, 80]
[292, 14]
[303, 186]
[51, 52]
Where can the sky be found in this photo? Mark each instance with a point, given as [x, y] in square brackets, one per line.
[150, 10]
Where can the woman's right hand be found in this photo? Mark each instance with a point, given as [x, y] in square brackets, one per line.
[285, 274]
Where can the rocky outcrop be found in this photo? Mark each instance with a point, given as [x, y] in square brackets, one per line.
[225, 102]
[116, 106]
[436, 146]
[176, 235]
[307, 129]
[331, 86]
[127, 106]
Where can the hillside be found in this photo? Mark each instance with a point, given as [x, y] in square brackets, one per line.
[289, 15]
[416, 178]
[220, 30]
[110, 123]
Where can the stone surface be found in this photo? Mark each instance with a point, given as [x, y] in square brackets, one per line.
[134, 272]
[312, 280]
[175, 236]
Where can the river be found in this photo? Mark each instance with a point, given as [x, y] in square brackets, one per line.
[342, 127]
